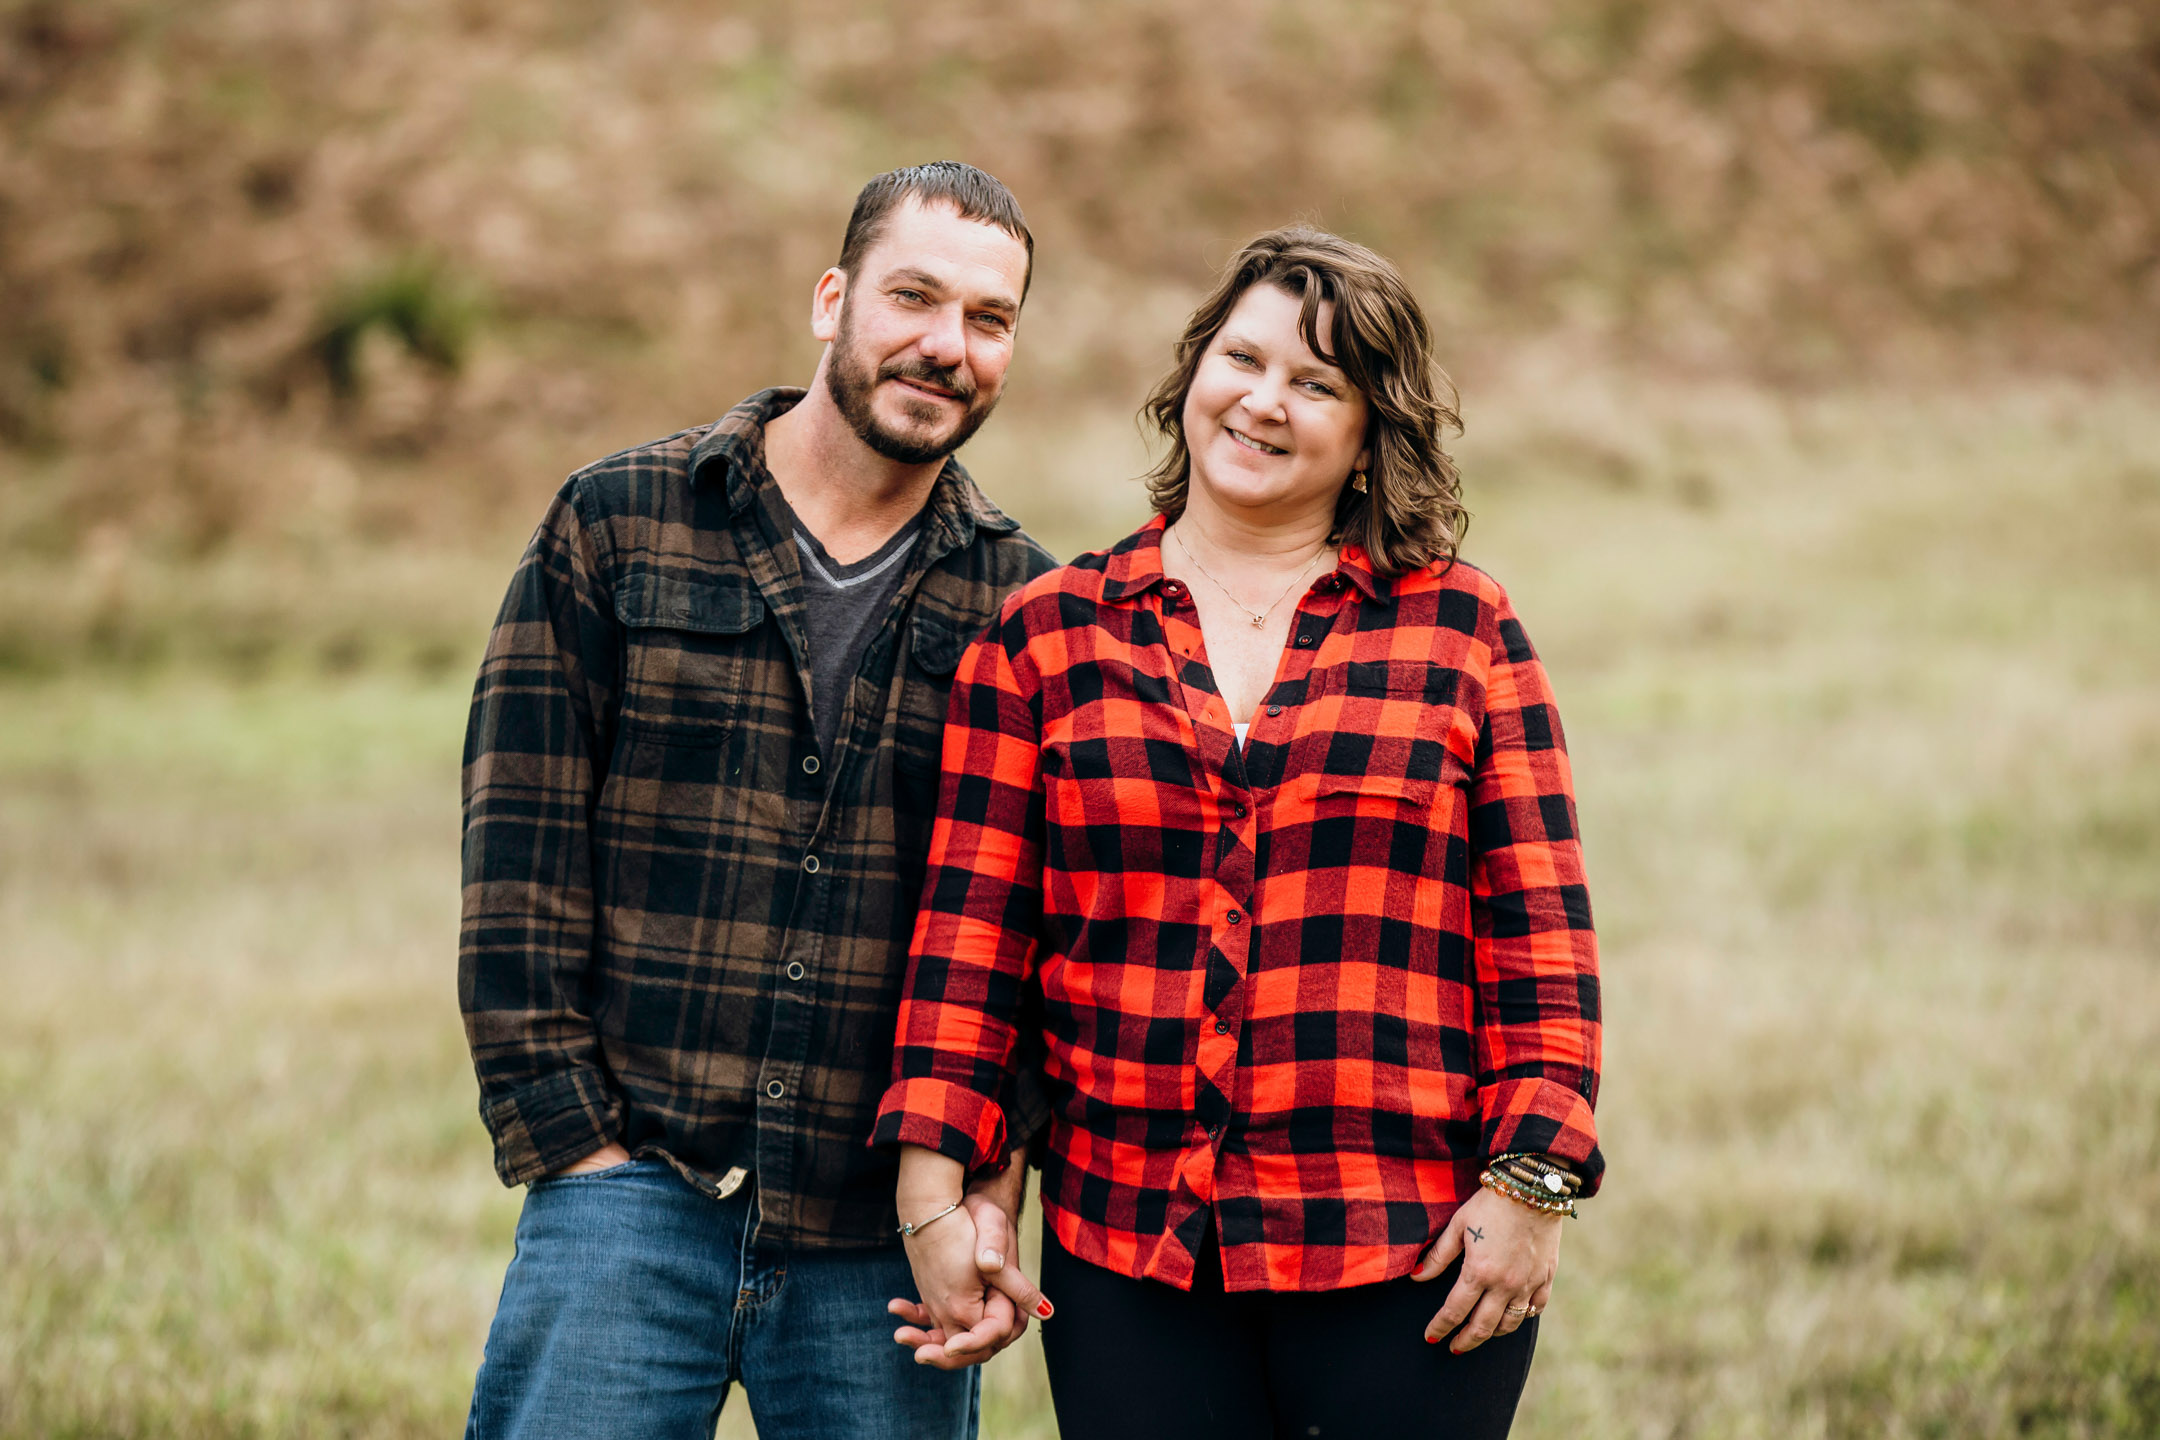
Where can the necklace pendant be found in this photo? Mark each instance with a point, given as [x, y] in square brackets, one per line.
[1259, 622]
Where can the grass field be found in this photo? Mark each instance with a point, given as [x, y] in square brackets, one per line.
[1864, 694]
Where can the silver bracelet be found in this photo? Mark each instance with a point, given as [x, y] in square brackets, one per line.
[907, 1232]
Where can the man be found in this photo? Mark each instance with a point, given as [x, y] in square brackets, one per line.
[700, 773]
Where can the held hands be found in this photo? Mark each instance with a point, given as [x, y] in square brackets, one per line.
[1510, 1254]
[975, 1300]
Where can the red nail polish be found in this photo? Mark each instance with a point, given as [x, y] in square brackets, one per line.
[1043, 1310]
[1432, 1339]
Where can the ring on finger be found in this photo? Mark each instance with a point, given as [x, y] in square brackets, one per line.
[1521, 1309]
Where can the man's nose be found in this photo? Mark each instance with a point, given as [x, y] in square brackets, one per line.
[944, 341]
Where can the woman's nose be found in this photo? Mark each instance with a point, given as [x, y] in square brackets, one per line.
[1264, 401]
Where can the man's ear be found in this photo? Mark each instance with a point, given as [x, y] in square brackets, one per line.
[825, 303]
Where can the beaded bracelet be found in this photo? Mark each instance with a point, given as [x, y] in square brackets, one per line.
[1542, 1177]
[1536, 1184]
[1522, 1194]
[1539, 1172]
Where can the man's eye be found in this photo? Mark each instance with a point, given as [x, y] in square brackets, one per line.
[911, 295]
[992, 318]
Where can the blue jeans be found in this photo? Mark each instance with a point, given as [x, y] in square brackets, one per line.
[634, 1303]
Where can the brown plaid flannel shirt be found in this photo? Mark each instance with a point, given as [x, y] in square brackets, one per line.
[682, 924]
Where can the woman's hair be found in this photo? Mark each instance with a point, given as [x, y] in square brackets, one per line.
[1412, 512]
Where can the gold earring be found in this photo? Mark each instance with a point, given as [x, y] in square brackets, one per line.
[1357, 481]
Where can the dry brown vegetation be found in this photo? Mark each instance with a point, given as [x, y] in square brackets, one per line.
[320, 264]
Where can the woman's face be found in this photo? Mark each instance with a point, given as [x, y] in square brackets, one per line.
[1271, 426]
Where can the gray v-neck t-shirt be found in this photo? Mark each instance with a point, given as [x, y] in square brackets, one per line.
[843, 607]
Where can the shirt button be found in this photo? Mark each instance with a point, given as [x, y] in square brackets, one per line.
[794, 970]
[1274, 709]
[1234, 917]
[810, 864]
[775, 1089]
[1304, 640]
[1238, 810]
[810, 764]
[1222, 1027]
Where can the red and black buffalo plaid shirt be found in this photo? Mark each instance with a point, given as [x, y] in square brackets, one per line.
[1307, 990]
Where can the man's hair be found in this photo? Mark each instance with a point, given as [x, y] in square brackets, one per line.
[1411, 513]
[976, 194]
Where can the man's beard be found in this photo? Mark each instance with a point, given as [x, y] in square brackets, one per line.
[850, 385]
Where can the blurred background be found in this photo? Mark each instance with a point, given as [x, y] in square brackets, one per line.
[1807, 355]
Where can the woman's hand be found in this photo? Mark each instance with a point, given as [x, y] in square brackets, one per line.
[941, 1330]
[965, 1264]
[1510, 1254]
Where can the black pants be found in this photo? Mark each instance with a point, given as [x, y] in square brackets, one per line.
[1137, 1359]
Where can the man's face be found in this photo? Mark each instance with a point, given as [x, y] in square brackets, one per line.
[923, 333]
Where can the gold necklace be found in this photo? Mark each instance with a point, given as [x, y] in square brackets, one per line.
[1259, 617]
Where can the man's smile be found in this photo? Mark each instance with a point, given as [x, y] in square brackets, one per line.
[924, 387]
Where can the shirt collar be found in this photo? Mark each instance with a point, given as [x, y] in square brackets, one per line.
[1135, 566]
[733, 453]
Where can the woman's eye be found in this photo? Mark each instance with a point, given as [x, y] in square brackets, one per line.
[1318, 388]
[1241, 357]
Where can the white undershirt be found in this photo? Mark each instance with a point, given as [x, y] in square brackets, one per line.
[1239, 726]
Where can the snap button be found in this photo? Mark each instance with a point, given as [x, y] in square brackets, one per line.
[810, 864]
[1235, 917]
[794, 970]
[1304, 640]
[1238, 810]
[810, 764]
[1222, 1027]
[1274, 709]
[775, 1089]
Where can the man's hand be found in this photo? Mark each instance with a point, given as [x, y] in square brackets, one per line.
[997, 1257]
[1510, 1254]
[606, 1157]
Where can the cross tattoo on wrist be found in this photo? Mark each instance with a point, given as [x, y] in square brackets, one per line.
[1474, 1234]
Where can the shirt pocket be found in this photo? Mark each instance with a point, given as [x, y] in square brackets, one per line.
[1396, 730]
[689, 655]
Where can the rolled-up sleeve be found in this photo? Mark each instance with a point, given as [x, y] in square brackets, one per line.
[1538, 1032]
[976, 933]
[535, 746]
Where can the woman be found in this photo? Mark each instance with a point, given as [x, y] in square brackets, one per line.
[1262, 821]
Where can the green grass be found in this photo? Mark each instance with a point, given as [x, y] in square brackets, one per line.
[1864, 698]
